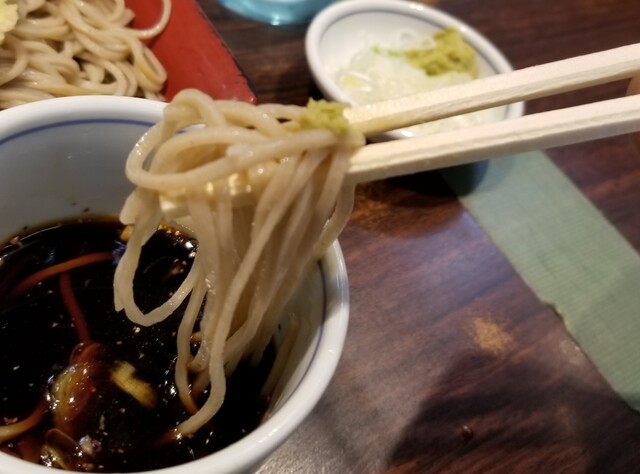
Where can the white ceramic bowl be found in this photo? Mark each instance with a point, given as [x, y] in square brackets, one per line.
[61, 158]
[345, 28]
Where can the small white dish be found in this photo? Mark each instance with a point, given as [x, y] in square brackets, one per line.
[346, 28]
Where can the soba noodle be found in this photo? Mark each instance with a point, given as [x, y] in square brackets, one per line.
[77, 47]
[249, 258]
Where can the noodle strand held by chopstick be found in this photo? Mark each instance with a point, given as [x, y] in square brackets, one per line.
[78, 47]
[250, 259]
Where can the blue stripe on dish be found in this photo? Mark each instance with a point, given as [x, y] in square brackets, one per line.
[67, 123]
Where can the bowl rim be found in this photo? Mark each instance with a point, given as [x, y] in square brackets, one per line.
[252, 449]
[337, 11]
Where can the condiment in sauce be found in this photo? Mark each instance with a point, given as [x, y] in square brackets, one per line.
[107, 385]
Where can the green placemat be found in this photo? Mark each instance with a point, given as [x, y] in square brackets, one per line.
[567, 252]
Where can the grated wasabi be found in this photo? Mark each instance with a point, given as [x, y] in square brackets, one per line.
[451, 53]
[325, 114]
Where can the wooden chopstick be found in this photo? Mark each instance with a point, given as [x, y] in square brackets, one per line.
[536, 81]
[492, 140]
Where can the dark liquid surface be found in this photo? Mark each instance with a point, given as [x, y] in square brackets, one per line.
[37, 336]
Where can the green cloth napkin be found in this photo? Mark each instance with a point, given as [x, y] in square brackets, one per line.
[567, 252]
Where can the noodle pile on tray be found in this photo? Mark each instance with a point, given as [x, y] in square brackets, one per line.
[77, 47]
[250, 258]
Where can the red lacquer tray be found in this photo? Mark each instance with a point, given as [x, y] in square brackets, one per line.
[192, 52]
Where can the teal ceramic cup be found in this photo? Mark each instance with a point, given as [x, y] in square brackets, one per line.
[277, 12]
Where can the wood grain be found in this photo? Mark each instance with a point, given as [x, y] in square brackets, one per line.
[452, 365]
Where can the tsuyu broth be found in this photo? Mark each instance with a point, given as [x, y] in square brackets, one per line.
[111, 430]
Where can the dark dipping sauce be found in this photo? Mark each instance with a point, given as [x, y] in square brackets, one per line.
[114, 432]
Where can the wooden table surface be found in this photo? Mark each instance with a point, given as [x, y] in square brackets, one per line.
[420, 386]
